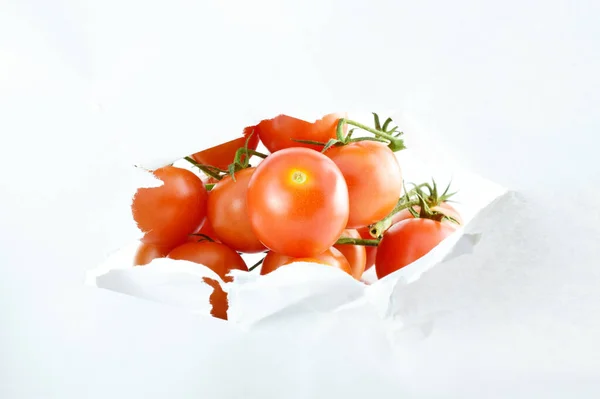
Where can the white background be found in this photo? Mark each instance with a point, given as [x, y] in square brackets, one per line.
[508, 89]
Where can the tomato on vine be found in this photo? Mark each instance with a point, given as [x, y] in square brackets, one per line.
[408, 241]
[146, 253]
[216, 256]
[355, 254]
[169, 213]
[228, 213]
[298, 202]
[283, 131]
[374, 179]
[331, 257]
[222, 155]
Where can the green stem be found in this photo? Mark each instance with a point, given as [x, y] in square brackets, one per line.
[254, 266]
[204, 169]
[395, 143]
[357, 241]
[380, 227]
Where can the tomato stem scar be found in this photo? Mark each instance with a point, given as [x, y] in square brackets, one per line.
[298, 177]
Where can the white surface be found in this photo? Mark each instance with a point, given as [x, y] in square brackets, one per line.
[509, 90]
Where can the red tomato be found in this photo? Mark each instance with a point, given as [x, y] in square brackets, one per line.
[298, 202]
[407, 241]
[374, 180]
[167, 214]
[355, 254]
[218, 299]
[216, 256]
[228, 214]
[404, 214]
[222, 155]
[272, 261]
[331, 257]
[146, 253]
[280, 132]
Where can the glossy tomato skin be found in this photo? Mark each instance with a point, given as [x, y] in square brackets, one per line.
[146, 253]
[403, 215]
[407, 241]
[374, 180]
[298, 202]
[222, 155]
[280, 132]
[169, 213]
[216, 256]
[272, 261]
[355, 254]
[331, 257]
[228, 213]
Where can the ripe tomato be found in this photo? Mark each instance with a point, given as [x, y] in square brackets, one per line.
[146, 253]
[216, 256]
[407, 241]
[167, 214]
[331, 257]
[217, 299]
[228, 214]
[404, 214]
[355, 254]
[298, 202]
[280, 132]
[222, 155]
[374, 180]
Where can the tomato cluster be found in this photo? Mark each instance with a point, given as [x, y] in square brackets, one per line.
[320, 195]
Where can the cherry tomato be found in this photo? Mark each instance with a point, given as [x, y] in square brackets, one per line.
[146, 253]
[403, 215]
[355, 254]
[280, 132]
[228, 214]
[298, 202]
[222, 155]
[216, 256]
[218, 299]
[374, 180]
[167, 214]
[407, 241]
[331, 257]
[272, 261]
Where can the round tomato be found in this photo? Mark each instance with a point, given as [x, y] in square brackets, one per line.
[331, 257]
[280, 132]
[404, 214]
[407, 241]
[222, 155]
[167, 214]
[298, 202]
[216, 256]
[355, 254]
[146, 253]
[374, 180]
[228, 214]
